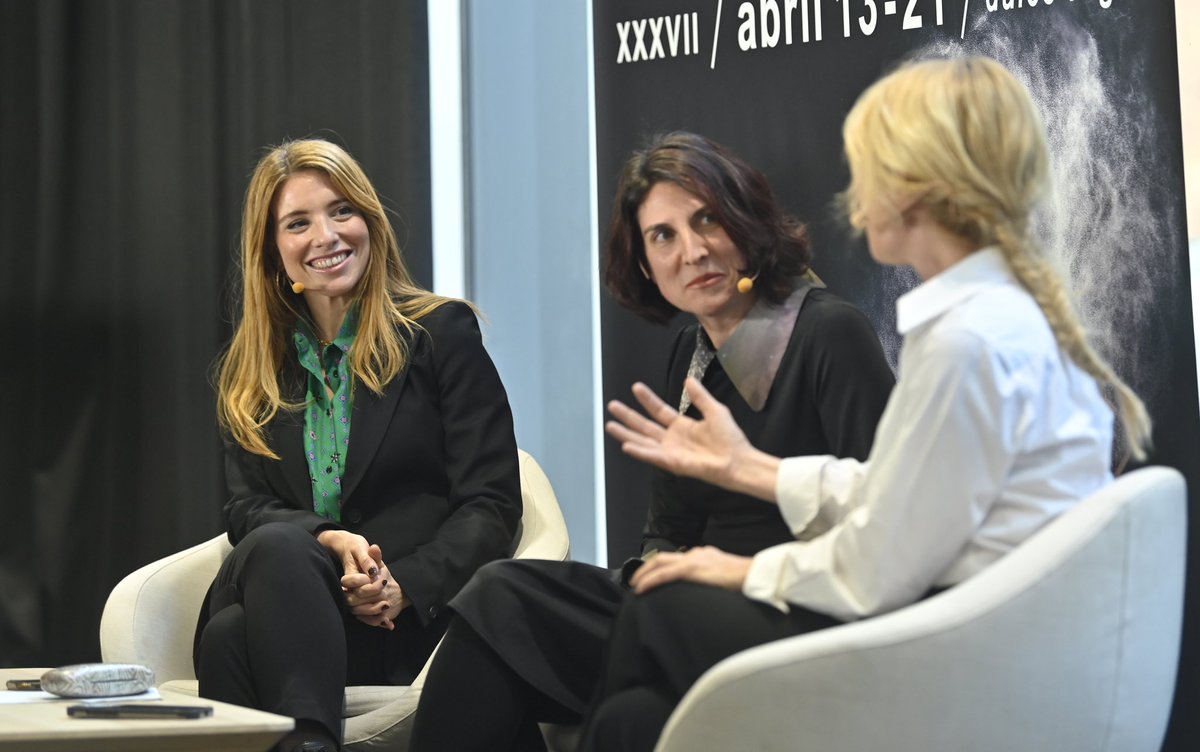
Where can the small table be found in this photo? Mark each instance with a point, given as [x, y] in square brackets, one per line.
[46, 727]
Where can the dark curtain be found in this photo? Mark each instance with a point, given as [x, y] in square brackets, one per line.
[128, 129]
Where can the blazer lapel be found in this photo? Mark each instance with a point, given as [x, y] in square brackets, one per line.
[369, 422]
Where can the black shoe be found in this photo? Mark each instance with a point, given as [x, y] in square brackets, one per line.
[308, 736]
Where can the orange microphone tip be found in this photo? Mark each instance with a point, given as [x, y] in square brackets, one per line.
[298, 287]
[745, 285]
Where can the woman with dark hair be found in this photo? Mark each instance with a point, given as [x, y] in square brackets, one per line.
[369, 454]
[774, 246]
[694, 229]
[996, 426]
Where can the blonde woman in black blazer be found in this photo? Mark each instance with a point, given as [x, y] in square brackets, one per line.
[370, 458]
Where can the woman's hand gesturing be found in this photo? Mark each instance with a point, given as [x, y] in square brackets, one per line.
[712, 449]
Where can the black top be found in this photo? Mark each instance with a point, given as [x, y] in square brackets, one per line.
[827, 397]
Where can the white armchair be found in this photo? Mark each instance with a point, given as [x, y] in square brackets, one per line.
[1068, 643]
[150, 617]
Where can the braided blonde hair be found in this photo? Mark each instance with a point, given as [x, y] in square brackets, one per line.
[963, 138]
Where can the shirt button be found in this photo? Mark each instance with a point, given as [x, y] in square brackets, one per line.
[353, 515]
[433, 612]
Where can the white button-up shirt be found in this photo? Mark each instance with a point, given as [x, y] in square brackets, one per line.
[990, 433]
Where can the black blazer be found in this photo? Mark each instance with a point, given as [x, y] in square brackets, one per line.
[431, 471]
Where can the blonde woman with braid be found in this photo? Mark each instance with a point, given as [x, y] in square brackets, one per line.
[997, 424]
[370, 459]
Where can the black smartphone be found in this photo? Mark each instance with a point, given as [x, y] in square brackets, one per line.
[23, 685]
[148, 710]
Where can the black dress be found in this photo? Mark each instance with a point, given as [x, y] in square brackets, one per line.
[550, 621]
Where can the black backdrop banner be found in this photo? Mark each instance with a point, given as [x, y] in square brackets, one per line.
[773, 80]
[128, 130]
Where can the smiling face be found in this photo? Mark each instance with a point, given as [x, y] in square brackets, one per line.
[691, 258]
[323, 240]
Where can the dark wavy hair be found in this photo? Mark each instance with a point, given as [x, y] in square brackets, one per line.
[775, 244]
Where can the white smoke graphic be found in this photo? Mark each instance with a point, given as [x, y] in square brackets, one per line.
[1107, 223]
[880, 307]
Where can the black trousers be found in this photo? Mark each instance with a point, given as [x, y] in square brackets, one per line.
[526, 645]
[661, 644]
[278, 636]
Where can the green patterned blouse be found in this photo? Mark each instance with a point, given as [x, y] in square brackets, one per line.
[327, 421]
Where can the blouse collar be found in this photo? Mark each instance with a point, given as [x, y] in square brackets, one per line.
[308, 344]
[929, 300]
[752, 354]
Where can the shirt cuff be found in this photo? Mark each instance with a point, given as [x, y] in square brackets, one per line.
[762, 581]
[798, 490]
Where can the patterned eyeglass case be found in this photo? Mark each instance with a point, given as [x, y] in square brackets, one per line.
[98, 680]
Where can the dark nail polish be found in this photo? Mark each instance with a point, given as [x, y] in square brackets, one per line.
[372, 571]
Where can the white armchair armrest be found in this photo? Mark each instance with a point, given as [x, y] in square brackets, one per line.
[150, 616]
[1068, 643]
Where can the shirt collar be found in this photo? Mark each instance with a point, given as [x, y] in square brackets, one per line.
[306, 339]
[978, 271]
[752, 354]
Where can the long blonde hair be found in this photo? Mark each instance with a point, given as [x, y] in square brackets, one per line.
[249, 393]
[963, 138]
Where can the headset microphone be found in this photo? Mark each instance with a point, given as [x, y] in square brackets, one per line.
[746, 284]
